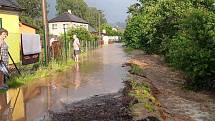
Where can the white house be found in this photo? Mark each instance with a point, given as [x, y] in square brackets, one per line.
[65, 21]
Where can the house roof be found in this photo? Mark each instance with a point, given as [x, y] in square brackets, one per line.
[26, 24]
[10, 5]
[67, 17]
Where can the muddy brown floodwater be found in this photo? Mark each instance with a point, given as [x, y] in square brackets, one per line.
[98, 73]
[92, 91]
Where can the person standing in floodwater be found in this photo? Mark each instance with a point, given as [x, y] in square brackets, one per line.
[76, 46]
[3, 55]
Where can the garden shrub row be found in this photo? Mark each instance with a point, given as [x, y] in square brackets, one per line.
[183, 31]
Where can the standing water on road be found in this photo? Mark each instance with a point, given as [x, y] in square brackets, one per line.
[99, 72]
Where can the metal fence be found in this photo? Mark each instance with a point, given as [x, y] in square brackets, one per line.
[61, 50]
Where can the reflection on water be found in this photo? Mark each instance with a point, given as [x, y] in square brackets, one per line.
[99, 72]
[12, 106]
[77, 77]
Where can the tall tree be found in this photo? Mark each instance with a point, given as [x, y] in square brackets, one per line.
[32, 8]
[78, 7]
[81, 9]
[32, 13]
[93, 16]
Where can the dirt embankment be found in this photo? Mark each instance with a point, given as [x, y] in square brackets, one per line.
[176, 103]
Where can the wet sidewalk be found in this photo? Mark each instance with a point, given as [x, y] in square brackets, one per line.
[99, 72]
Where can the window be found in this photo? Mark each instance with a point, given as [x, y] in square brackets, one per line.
[65, 26]
[0, 22]
[54, 26]
[75, 25]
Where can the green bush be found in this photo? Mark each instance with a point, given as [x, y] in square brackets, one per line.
[81, 33]
[132, 33]
[110, 31]
[155, 24]
[193, 49]
[183, 31]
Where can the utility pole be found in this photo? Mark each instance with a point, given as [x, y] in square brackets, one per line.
[99, 22]
[46, 36]
[65, 43]
[99, 26]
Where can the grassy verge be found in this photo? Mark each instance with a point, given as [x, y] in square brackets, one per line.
[128, 49]
[136, 70]
[2, 91]
[30, 76]
[142, 93]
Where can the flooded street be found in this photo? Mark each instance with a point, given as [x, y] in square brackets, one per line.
[99, 72]
[92, 90]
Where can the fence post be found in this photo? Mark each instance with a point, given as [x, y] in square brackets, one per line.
[86, 45]
[69, 49]
[96, 44]
[65, 41]
[44, 47]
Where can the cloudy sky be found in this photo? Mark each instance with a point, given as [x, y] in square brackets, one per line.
[115, 10]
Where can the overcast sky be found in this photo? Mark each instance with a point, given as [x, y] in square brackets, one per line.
[115, 10]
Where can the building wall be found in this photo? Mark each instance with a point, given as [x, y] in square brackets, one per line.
[26, 29]
[17, 100]
[10, 21]
[76, 25]
[58, 29]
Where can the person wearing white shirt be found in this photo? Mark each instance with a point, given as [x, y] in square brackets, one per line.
[76, 46]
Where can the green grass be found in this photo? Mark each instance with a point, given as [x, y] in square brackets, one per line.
[128, 50]
[142, 93]
[3, 91]
[29, 76]
[135, 69]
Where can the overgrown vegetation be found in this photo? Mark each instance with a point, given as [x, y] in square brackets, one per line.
[183, 31]
[40, 72]
[110, 31]
[32, 13]
[82, 34]
[135, 69]
[142, 93]
[128, 49]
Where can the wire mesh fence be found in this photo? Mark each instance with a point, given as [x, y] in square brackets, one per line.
[59, 51]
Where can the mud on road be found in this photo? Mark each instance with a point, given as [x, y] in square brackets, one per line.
[111, 107]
